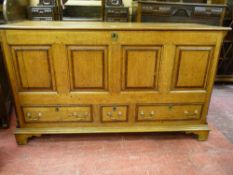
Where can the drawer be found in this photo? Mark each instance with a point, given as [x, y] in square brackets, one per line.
[207, 12]
[168, 112]
[57, 114]
[114, 113]
[157, 10]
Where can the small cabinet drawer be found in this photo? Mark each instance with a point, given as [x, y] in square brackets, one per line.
[114, 113]
[168, 112]
[57, 114]
[157, 10]
[207, 12]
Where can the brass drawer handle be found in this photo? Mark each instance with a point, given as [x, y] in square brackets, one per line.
[78, 115]
[74, 114]
[191, 114]
[109, 114]
[32, 117]
[196, 111]
[142, 113]
[86, 114]
[36, 118]
[119, 113]
[152, 113]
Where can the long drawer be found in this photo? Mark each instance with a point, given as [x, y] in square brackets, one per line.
[168, 112]
[58, 114]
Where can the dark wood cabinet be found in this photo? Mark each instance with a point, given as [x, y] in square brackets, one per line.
[116, 14]
[5, 96]
[154, 11]
[225, 66]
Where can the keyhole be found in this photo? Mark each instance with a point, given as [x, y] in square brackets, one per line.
[170, 107]
[114, 36]
[114, 108]
[57, 109]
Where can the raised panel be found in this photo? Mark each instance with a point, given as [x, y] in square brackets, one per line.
[140, 67]
[34, 68]
[88, 67]
[191, 67]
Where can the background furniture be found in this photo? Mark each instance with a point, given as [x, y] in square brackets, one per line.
[115, 11]
[13, 10]
[225, 67]
[116, 14]
[156, 11]
[111, 77]
[5, 96]
[83, 10]
[9, 10]
[47, 10]
[47, 13]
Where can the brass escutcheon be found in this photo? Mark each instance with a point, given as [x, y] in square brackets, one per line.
[114, 36]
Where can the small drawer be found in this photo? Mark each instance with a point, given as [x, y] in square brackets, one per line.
[207, 12]
[168, 112]
[57, 114]
[157, 10]
[114, 113]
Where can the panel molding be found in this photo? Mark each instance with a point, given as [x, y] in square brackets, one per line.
[18, 73]
[138, 105]
[104, 51]
[177, 66]
[101, 109]
[124, 70]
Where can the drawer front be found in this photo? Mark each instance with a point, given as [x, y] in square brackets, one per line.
[114, 113]
[159, 10]
[57, 114]
[117, 11]
[116, 19]
[207, 12]
[168, 112]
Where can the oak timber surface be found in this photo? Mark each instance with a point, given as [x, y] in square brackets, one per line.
[108, 26]
[88, 77]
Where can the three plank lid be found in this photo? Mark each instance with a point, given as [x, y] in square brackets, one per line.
[68, 25]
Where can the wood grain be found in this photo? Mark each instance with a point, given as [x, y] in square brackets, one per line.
[166, 71]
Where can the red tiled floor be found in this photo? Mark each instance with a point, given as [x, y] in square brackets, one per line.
[221, 110]
[117, 154]
[110, 154]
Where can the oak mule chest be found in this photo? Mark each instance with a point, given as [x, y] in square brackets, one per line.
[74, 77]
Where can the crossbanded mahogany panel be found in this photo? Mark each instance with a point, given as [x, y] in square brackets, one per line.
[140, 67]
[88, 67]
[191, 67]
[34, 68]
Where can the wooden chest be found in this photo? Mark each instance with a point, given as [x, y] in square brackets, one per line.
[111, 77]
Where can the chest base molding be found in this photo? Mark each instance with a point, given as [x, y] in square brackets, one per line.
[23, 134]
